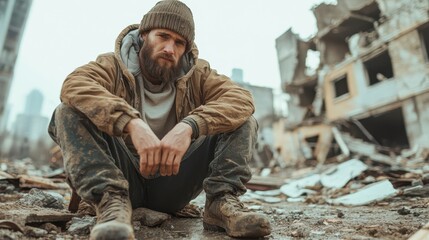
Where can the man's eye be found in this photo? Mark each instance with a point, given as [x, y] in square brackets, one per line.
[180, 43]
[163, 36]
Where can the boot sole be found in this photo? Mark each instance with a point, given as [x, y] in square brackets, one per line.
[250, 234]
[214, 228]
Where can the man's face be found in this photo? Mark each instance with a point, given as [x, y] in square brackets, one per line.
[161, 54]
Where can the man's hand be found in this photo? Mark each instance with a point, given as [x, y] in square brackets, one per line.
[147, 144]
[174, 146]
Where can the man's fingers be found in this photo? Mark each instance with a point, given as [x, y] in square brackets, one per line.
[143, 164]
[149, 166]
[162, 164]
[169, 164]
[156, 161]
[176, 164]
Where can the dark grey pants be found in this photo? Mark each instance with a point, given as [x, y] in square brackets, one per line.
[95, 162]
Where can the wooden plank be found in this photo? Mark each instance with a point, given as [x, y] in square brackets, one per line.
[26, 181]
[23, 214]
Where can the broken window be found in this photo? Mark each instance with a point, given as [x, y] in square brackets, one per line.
[341, 86]
[379, 68]
[306, 96]
[424, 36]
[388, 128]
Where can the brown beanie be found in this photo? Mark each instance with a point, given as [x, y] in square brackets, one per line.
[172, 15]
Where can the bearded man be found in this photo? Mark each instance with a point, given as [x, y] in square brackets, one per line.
[152, 125]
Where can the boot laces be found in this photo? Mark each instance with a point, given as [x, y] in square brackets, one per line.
[113, 207]
[235, 202]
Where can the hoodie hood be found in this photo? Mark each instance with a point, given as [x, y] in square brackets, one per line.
[128, 45]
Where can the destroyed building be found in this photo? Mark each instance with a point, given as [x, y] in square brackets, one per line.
[13, 16]
[371, 87]
[263, 98]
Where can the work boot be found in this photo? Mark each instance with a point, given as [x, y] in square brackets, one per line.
[113, 218]
[85, 208]
[227, 213]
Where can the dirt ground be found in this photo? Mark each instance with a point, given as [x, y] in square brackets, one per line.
[304, 221]
[396, 218]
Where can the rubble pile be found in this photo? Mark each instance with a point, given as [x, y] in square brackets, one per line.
[35, 203]
[368, 178]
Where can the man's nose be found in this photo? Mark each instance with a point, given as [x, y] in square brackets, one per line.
[169, 47]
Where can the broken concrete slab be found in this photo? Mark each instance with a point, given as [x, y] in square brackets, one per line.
[338, 176]
[37, 197]
[249, 196]
[271, 193]
[81, 226]
[369, 194]
[367, 149]
[296, 188]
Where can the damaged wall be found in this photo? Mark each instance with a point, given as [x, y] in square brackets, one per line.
[422, 102]
[303, 143]
[375, 62]
[384, 72]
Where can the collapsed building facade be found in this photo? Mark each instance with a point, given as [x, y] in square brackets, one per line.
[371, 87]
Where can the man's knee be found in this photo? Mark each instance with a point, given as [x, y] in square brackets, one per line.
[63, 111]
[62, 116]
[250, 125]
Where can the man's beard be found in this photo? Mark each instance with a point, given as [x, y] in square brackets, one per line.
[158, 73]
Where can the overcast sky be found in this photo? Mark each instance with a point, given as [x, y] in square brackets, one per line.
[61, 35]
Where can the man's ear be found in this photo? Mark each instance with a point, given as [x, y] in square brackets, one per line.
[144, 35]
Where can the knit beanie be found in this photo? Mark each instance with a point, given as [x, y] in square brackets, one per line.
[172, 15]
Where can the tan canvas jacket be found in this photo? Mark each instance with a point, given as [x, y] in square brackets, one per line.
[107, 93]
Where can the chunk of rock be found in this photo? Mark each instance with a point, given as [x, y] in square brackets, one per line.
[149, 217]
[42, 199]
[81, 226]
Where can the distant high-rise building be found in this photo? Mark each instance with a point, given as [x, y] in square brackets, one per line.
[237, 75]
[31, 124]
[13, 16]
[263, 97]
[34, 102]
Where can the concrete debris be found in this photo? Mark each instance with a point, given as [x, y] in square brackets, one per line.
[295, 199]
[340, 175]
[6, 187]
[37, 197]
[271, 193]
[81, 226]
[297, 188]
[35, 232]
[404, 211]
[374, 192]
[149, 217]
[264, 198]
